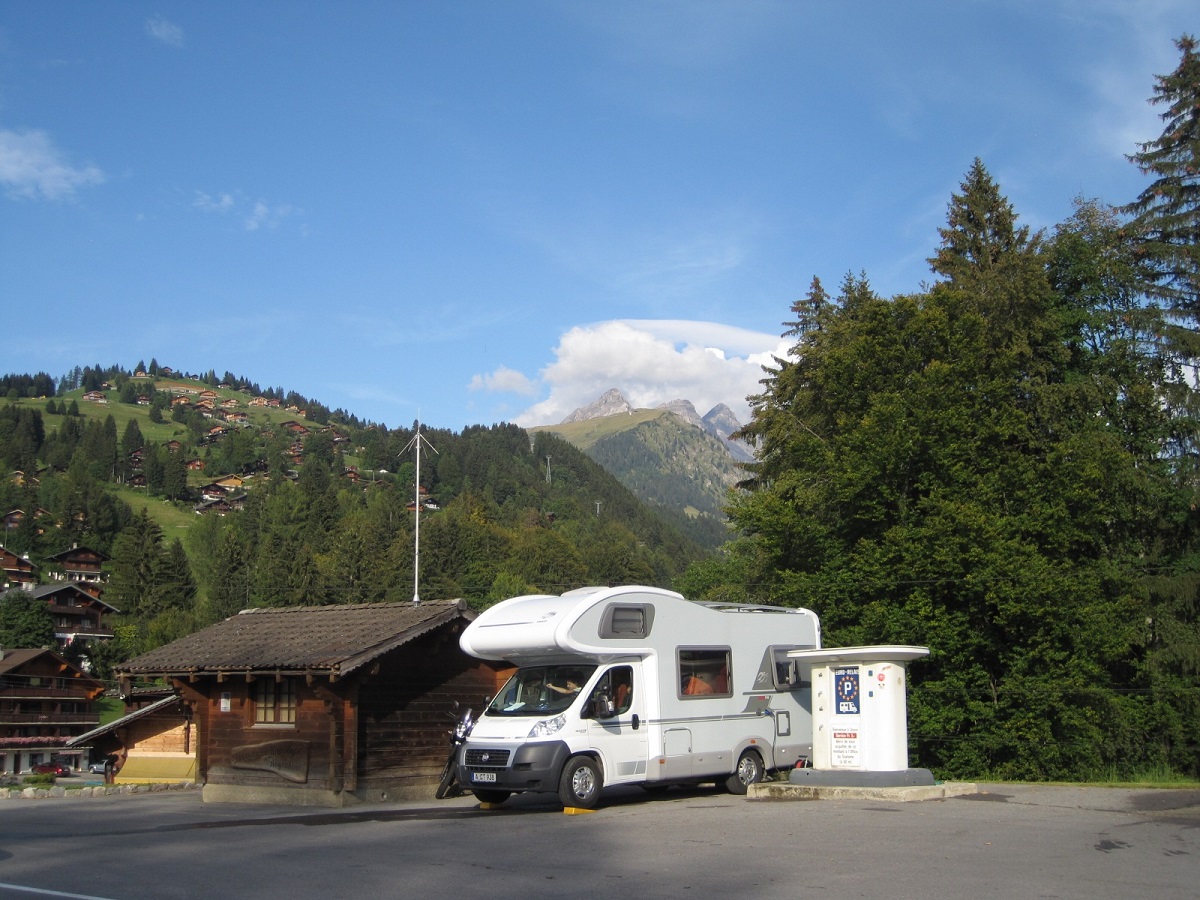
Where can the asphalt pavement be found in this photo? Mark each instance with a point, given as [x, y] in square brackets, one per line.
[999, 841]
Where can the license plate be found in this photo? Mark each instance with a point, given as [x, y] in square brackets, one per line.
[483, 776]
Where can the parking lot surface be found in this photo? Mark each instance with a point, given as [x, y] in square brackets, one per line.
[1003, 841]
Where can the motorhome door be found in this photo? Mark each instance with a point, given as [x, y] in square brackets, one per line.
[617, 726]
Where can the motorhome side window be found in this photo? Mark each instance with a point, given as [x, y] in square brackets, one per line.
[787, 671]
[627, 620]
[705, 672]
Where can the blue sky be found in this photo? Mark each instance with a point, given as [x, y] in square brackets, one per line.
[472, 212]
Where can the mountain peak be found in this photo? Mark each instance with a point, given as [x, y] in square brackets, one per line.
[611, 403]
[685, 410]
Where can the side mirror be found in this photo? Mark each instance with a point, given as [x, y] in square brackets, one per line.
[603, 707]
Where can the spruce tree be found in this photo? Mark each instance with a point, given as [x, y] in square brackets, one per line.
[1167, 213]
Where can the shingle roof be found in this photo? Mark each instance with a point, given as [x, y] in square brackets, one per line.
[329, 639]
[14, 659]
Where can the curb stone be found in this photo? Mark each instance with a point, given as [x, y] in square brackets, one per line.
[778, 790]
[58, 792]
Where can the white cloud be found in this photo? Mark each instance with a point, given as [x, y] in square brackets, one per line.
[208, 203]
[504, 380]
[167, 32]
[260, 214]
[32, 167]
[654, 361]
[266, 216]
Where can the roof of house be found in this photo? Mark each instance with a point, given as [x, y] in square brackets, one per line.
[166, 703]
[332, 640]
[12, 660]
[42, 591]
[77, 550]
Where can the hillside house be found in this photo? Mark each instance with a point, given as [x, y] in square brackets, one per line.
[322, 706]
[220, 505]
[14, 518]
[44, 701]
[79, 614]
[79, 565]
[18, 572]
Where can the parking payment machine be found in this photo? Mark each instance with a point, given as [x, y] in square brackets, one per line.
[860, 715]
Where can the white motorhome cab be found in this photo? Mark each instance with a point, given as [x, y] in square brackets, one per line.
[636, 685]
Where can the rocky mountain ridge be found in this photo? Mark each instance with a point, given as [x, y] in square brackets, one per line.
[719, 422]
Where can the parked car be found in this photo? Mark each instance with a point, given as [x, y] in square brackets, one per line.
[96, 768]
[51, 768]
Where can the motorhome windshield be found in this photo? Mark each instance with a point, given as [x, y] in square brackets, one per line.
[537, 690]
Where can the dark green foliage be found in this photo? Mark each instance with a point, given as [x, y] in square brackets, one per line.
[985, 468]
[1167, 213]
[25, 622]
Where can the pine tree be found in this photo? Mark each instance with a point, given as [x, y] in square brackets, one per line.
[136, 567]
[981, 233]
[809, 312]
[1167, 212]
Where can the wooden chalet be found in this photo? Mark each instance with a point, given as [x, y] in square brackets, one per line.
[79, 564]
[44, 701]
[79, 614]
[322, 706]
[14, 518]
[18, 571]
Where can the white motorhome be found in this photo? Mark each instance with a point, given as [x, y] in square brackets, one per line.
[636, 685]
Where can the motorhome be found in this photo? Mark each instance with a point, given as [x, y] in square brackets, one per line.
[636, 685]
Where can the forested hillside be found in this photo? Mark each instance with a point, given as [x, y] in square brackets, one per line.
[676, 468]
[1005, 467]
[321, 513]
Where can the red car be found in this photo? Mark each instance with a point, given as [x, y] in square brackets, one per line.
[51, 769]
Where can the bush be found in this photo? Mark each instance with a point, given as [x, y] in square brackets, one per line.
[38, 780]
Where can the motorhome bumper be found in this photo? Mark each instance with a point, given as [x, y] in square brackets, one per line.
[532, 767]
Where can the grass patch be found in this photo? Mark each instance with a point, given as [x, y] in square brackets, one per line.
[170, 518]
[110, 709]
[584, 434]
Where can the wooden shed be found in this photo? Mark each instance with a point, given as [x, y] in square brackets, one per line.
[323, 706]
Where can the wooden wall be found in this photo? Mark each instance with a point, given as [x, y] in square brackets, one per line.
[381, 733]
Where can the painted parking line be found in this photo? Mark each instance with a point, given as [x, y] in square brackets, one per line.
[44, 893]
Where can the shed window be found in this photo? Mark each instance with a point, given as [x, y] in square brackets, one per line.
[275, 702]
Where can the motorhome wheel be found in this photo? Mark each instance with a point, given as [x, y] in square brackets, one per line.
[749, 771]
[580, 783]
[491, 796]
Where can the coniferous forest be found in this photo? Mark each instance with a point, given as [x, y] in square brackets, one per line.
[1003, 466]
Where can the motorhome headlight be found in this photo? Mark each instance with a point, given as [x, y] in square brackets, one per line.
[547, 727]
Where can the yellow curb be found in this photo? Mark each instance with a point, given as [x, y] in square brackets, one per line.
[575, 811]
[483, 805]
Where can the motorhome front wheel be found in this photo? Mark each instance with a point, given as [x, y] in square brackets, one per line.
[580, 783]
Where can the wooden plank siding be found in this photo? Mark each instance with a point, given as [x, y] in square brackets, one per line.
[379, 734]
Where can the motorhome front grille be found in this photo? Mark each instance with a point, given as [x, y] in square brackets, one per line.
[489, 758]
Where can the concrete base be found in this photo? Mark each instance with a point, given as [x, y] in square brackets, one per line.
[844, 778]
[782, 790]
[240, 793]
